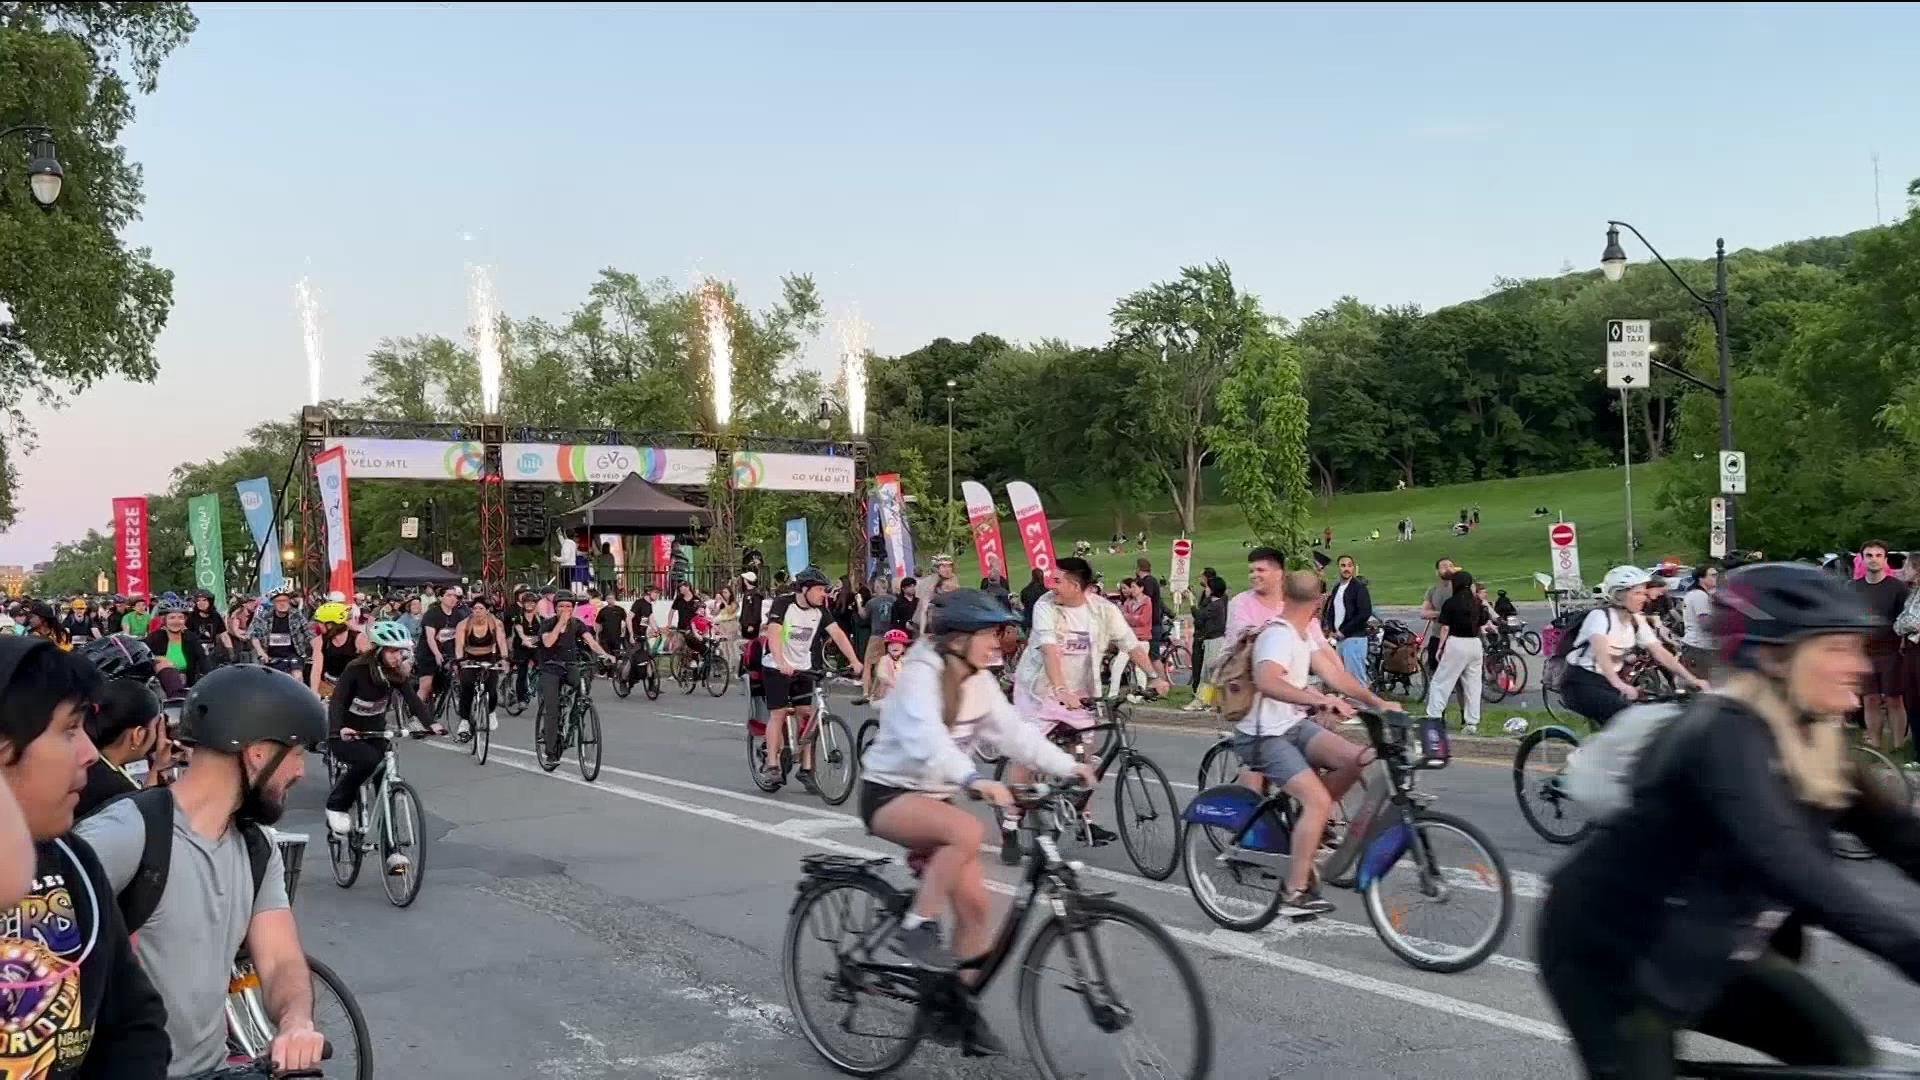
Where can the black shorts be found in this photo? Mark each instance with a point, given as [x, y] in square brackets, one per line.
[786, 692]
[874, 796]
[423, 662]
[1887, 678]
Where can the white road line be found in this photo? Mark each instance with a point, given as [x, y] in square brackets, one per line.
[703, 719]
[685, 785]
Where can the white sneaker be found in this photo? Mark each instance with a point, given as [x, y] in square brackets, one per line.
[397, 864]
[466, 729]
[1195, 705]
[493, 722]
[339, 822]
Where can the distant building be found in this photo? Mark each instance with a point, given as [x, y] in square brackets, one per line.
[13, 579]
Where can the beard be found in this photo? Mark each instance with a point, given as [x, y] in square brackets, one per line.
[261, 807]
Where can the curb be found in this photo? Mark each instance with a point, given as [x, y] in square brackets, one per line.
[1480, 748]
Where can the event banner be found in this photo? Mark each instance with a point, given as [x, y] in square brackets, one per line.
[409, 459]
[984, 520]
[330, 466]
[1031, 518]
[662, 561]
[256, 503]
[130, 545]
[797, 546]
[893, 525]
[209, 561]
[755, 471]
[570, 463]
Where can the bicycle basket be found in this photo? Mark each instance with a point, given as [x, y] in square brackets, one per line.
[1227, 806]
[1402, 659]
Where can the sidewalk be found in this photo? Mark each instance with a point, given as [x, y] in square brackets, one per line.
[1482, 748]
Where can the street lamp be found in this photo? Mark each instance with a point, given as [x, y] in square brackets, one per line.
[1613, 263]
[44, 174]
[949, 535]
[824, 417]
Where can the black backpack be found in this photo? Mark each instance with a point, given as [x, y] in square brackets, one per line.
[1567, 624]
[142, 894]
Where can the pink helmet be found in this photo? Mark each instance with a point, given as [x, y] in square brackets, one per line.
[895, 637]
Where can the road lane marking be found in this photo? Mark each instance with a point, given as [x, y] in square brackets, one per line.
[703, 719]
[686, 785]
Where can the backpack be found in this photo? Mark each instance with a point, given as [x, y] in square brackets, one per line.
[1234, 677]
[1599, 774]
[1564, 631]
[142, 894]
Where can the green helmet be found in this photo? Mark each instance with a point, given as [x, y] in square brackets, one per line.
[388, 634]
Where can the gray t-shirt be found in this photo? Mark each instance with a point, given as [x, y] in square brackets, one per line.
[187, 946]
[1438, 596]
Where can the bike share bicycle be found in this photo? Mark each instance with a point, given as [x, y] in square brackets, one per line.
[866, 1015]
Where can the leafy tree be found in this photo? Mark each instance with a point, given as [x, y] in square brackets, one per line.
[1261, 441]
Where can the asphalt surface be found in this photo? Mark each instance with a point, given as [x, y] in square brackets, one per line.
[633, 928]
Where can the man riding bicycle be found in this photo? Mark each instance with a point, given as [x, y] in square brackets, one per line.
[1593, 685]
[279, 636]
[796, 647]
[356, 719]
[561, 639]
[1685, 911]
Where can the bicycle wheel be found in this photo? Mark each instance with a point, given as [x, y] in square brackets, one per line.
[1529, 642]
[864, 1022]
[686, 674]
[1148, 817]
[483, 728]
[1447, 901]
[718, 677]
[1887, 780]
[345, 854]
[405, 836]
[511, 700]
[757, 762]
[621, 687]
[652, 686]
[586, 740]
[835, 763]
[1491, 689]
[1127, 1005]
[335, 1012]
[1239, 890]
[1219, 765]
[1537, 766]
[1514, 675]
[1178, 658]
[869, 730]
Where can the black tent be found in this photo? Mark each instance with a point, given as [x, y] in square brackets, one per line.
[402, 567]
[636, 508]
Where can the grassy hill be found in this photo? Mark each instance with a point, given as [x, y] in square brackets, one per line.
[1506, 551]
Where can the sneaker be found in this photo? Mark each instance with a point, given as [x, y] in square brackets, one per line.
[805, 776]
[923, 947]
[493, 722]
[416, 729]
[1010, 852]
[1195, 705]
[1100, 837]
[1306, 903]
[772, 776]
[339, 822]
[464, 732]
[397, 864]
[861, 700]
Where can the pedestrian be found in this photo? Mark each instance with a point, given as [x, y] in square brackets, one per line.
[1883, 698]
[1476, 515]
[1035, 588]
[1460, 655]
[1209, 626]
[1149, 586]
[753, 605]
[906, 607]
[878, 621]
[1696, 609]
[1326, 538]
[1907, 629]
[1345, 616]
[1437, 597]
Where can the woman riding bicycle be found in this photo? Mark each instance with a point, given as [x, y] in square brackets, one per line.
[1593, 685]
[943, 701]
[333, 648]
[356, 717]
[480, 638]
[1684, 911]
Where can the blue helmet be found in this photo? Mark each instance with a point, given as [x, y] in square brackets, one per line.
[964, 611]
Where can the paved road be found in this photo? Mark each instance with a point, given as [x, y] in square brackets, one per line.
[631, 928]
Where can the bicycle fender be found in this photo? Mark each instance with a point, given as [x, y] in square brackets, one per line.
[1382, 853]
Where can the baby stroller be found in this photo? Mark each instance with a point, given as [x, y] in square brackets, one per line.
[1393, 658]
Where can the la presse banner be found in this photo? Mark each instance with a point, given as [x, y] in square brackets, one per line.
[1031, 519]
[893, 525]
[985, 523]
[209, 561]
[330, 467]
[797, 559]
[130, 545]
[256, 505]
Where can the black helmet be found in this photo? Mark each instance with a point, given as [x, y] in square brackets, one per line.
[810, 577]
[963, 611]
[1781, 603]
[235, 707]
[120, 656]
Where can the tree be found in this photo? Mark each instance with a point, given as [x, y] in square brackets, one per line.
[1260, 440]
[83, 305]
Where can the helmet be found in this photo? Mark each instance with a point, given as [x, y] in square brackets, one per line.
[284, 590]
[121, 656]
[337, 597]
[1781, 603]
[1620, 579]
[170, 607]
[234, 707]
[332, 611]
[78, 603]
[896, 637]
[963, 611]
[388, 634]
[943, 559]
[809, 577]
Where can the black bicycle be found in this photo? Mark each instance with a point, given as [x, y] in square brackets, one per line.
[1540, 765]
[702, 666]
[866, 1012]
[479, 727]
[579, 721]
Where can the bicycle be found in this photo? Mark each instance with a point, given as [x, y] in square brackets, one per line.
[1221, 764]
[1394, 842]
[387, 817]
[1503, 673]
[1140, 780]
[510, 697]
[835, 752]
[1545, 751]
[479, 735]
[846, 904]
[249, 1028]
[702, 667]
[579, 721]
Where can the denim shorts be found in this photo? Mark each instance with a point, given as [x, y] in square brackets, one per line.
[1281, 757]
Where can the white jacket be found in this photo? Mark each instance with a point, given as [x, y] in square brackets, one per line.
[916, 750]
[1109, 629]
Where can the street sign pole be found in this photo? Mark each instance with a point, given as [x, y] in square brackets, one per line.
[1626, 460]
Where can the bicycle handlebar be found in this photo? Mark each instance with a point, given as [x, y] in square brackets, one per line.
[264, 1064]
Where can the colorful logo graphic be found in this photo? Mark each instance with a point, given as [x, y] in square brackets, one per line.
[530, 463]
[40, 1029]
[249, 501]
[748, 468]
[464, 461]
[653, 464]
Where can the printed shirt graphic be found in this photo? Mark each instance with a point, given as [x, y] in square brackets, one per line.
[42, 1029]
[799, 640]
[1074, 635]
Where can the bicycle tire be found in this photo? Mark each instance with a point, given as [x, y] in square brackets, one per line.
[483, 730]
[511, 701]
[1529, 642]
[726, 678]
[757, 763]
[1491, 691]
[1408, 948]
[814, 1029]
[686, 676]
[1091, 910]
[835, 741]
[345, 855]
[869, 730]
[586, 740]
[652, 687]
[1517, 673]
[1219, 765]
[1197, 865]
[1525, 775]
[404, 805]
[621, 687]
[362, 1040]
[1875, 767]
[1152, 783]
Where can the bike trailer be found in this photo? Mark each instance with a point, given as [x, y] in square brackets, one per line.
[1229, 806]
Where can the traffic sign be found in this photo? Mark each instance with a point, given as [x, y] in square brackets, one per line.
[1629, 352]
[1733, 472]
[1563, 548]
[410, 528]
[1182, 575]
[1717, 528]
[446, 558]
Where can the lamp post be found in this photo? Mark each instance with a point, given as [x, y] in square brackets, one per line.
[44, 174]
[1613, 263]
[948, 538]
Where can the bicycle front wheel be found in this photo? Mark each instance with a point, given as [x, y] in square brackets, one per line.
[1529, 642]
[865, 1022]
[586, 745]
[1878, 772]
[1238, 888]
[345, 854]
[1491, 689]
[405, 836]
[869, 730]
[1537, 768]
[686, 674]
[1148, 817]
[483, 729]
[1447, 901]
[719, 676]
[835, 764]
[1112, 995]
[337, 1016]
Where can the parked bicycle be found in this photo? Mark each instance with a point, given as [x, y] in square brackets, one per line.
[1503, 672]
[387, 818]
[579, 721]
[866, 1012]
[836, 761]
[1420, 872]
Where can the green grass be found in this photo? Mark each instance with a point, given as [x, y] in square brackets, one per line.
[1505, 552]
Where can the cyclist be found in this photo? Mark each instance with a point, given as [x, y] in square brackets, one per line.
[797, 630]
[1593, 685]
[436, 638]
[922, 756]
[481, 637]
[356, 718]
[278, 635]
[126, 726]
[523, 626]
[177, 663]
[333, 648]
[561, 639]
[250, 730]
[1685, 911]
[139, 620]
[79, 627]
[208, 630]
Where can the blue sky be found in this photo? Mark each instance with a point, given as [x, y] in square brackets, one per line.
[946, 169]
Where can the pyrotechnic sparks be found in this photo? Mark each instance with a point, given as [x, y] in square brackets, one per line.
[307, 303]
[485, 314]
[713, 306]
[852, 331]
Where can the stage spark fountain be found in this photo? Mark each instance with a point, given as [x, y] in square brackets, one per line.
[307, 303]
[485, 315]
[852, 332]
[713, 307]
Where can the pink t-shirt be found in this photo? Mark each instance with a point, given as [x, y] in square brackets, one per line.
[1247, 610]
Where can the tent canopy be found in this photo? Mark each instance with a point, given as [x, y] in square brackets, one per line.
[636, 508]
[402, 567]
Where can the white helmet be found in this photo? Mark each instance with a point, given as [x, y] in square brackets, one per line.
[1620, 579]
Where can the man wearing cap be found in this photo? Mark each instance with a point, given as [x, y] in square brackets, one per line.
[753, 606]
